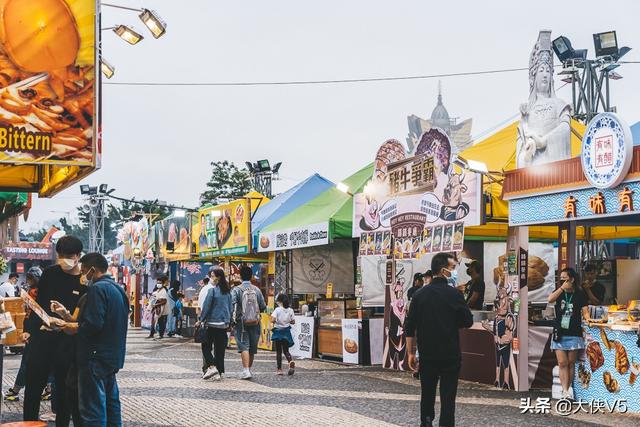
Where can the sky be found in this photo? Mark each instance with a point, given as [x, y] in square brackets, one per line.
[158, 141]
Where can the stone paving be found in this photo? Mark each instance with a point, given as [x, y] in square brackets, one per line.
[161, 386]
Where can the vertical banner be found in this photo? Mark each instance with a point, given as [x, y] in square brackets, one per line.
[350, 340]
[376, 340]
[302, 332]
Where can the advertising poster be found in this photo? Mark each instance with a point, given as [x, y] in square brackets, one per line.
[314, 268]
[302, 332]
[292, 238]
[350, 340]
[135, 238]
[223, 229]
[541, 267]
[376, 339]
[173, 237]
[264, 342]
[48, 83]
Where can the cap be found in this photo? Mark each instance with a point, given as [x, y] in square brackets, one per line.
[417, 276]
[34, 272]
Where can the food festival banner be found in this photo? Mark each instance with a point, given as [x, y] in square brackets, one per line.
[48, 81]
[302, 332]
[223, 229]
[350, 340]
[420, 200]
[174, 238]
[292, 238]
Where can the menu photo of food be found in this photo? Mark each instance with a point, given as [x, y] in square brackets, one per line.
[398, 248]
[458, 236]
[415, 247]
[378, 247]
[447, 240]
[406, 248]
[371, 244]
[224, 228]
[436, 246]
[427, 237]
[386, 243]
[363, 244]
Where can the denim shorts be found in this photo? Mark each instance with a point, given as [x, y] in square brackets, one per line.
[568, 343]
[247, 339]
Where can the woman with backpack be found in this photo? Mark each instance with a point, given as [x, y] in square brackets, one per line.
[215, 316]
[282, 319]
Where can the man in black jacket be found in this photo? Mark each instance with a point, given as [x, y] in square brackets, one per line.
[435, 315]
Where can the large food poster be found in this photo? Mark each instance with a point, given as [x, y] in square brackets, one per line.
[174, 239]
[542, 265]
[223, 229]
[302, 332]
[314, 267]
[350, 340]
[135, 237]
[48, 82]
[421, 199]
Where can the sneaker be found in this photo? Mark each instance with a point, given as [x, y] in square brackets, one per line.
[279, 372]
[292, 368]
[48, 416]
[149, 337]
[245, 375]
[217, 377]
[177, 336]
[211, 372]
[12, 395]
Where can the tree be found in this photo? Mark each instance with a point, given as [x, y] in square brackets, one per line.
[227, 181]
[81, 231]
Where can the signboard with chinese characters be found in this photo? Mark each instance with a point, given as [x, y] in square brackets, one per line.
[300, 237]
[223, 229]
[421, 200]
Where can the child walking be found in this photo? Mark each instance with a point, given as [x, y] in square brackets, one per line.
[282, 319]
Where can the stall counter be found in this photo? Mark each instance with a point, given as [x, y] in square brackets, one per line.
[609, 368]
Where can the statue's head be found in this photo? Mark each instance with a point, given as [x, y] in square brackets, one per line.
[544, 78]
[541, 67]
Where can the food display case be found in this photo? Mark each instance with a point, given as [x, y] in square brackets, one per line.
[330, 315]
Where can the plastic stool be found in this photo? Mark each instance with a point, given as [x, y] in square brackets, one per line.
[25, 424]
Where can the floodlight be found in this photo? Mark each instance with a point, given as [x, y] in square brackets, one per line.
[276, 167]
[341, 186]
[153, 22]
[107, 69]
[249, 166]
[563, 49]
[103, 188]
[606, 43]
[85, 190]
[614, 76]
[179, 213]
[263, 166]
[128, 34]
[476, 166]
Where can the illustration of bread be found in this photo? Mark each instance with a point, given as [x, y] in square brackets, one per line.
[351, 346]
[622, 360]
[264, 242]
[610, 383]
[584, 375]
[537, 271]
[594, 353]
[605, 339]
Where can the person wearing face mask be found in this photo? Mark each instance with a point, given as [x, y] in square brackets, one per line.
[161, 306]
[100, 328]
[436, 314]
[51, 351]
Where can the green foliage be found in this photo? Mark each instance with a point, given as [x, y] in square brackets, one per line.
[227, 181]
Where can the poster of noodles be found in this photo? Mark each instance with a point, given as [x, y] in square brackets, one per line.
[48, 82]
[413, 192]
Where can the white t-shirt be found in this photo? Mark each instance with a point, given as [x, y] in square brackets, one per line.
[7, 289]
[203, 294]
[283, 317]
[162, 294]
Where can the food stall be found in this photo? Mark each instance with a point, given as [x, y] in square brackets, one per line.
[601, 188]
[316, 249]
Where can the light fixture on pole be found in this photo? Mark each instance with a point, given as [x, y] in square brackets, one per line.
[107, 69]
[128, 34]
[344, 188]
[606, 43]
[153, 22]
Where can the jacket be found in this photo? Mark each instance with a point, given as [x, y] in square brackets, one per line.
[216, 307]
[103, 323]
[436, 313]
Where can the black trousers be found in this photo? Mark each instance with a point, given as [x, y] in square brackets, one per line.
[446, 372]
[162, 325]
[50, 353]
[282, 346]
[217, 338]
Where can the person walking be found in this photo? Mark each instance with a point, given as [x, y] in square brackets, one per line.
[173, 298]
[207, 284]
[51, 352]
[8, 288]
[178, 311]
[101, 331]
[282, 318]
[435, 315]
[161, 307]
[570, 304]
[248, 303]
[216, 318]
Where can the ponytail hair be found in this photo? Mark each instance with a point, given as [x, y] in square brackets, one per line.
[283, 299]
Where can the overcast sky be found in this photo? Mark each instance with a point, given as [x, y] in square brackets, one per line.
[159, 141]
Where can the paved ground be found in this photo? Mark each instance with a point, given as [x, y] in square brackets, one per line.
[160, 386]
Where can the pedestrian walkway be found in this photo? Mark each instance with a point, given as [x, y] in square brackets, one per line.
[161, 386]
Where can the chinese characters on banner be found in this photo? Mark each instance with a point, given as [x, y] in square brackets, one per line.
[597, 203]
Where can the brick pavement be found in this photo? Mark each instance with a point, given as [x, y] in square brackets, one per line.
[160, 386]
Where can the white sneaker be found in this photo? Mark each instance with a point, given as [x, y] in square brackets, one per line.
[566, 394]
[177, 336]
[217, 376]
[211, 372]
[245, 375]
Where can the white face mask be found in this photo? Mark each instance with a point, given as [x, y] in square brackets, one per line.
[158, 285]
[68, 264]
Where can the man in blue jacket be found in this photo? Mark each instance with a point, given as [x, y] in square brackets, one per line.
[101, 343]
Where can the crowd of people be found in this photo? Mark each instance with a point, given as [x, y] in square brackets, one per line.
[74, 341]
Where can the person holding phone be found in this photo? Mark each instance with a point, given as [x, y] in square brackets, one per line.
[570, 306]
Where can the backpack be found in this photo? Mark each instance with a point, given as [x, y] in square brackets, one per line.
[250, 307]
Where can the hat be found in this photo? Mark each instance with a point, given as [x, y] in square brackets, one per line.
[417, 276]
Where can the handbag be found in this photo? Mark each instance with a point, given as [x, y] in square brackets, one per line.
[200, 334]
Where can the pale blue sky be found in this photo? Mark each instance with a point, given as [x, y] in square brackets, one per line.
[158, 141]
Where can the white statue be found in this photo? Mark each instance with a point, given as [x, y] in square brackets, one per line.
[544, 133]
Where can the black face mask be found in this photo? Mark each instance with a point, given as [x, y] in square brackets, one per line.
[468, 272]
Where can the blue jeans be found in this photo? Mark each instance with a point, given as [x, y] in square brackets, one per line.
[99, 395]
